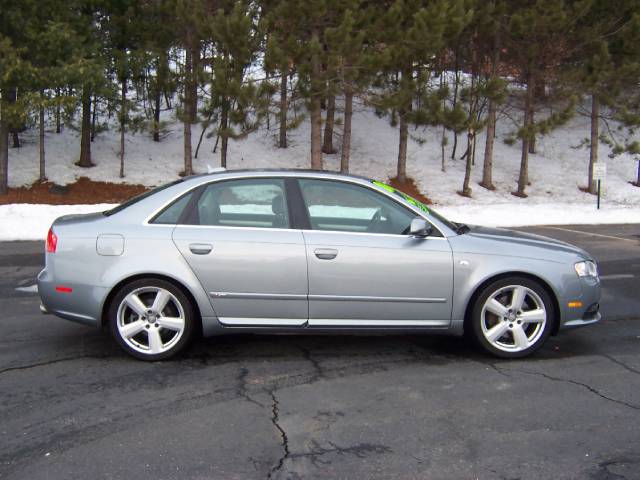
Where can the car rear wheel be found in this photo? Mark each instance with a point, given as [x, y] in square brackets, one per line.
[151, 319]
[512, 317]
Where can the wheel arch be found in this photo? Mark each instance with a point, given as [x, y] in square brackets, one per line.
[112, 293]
[543, 283]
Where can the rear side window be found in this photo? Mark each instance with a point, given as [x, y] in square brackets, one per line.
[134, 200]
[171, 214]
[244, 203]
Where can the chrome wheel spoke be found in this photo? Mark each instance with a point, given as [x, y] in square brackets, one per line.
[533, 316]
[155, 340]
[132, 329]
[134, 303]
[161, 300]
[520, 338]
[494, 333]
[495, 307]
[172, 323]
[517, 298]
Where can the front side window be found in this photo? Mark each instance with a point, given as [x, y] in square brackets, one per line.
[244, 203]
[340, 206]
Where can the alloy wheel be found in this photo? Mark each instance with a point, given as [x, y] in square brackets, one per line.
[150, 320]
[513, 318]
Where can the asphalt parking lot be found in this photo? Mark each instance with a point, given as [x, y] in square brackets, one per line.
[72, 405]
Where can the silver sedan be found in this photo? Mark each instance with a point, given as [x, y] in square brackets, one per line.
[303, 251]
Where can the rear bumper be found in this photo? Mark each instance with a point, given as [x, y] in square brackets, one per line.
[82, 304]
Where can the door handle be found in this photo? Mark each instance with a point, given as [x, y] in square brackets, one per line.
[326, 253]
[200, 248]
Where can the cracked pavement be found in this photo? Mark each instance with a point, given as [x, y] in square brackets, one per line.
[291, 407]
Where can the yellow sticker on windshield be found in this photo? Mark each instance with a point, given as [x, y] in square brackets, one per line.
[409, 199]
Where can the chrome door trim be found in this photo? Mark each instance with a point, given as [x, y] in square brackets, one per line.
[357, 298]
[258, 296]
[339, 322]
[262, 322]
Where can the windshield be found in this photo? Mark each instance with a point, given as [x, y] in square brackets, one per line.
[417, 203]
[142, 196]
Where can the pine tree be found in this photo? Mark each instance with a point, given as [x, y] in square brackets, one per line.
[234, 95]
[189, 15]
[411, 34]
[353, 59]
[538, 44]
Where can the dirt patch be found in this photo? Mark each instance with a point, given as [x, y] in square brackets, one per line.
[83, 191]
[410, 188]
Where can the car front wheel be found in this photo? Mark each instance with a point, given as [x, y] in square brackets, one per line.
[151, 319]
[512, 317]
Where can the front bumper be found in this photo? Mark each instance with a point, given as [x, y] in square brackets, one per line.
[589, 313]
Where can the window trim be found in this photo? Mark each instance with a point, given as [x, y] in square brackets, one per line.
[309, 227]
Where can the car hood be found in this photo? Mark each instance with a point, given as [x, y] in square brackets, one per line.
[507, 239]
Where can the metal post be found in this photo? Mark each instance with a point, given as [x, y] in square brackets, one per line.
[598, 194]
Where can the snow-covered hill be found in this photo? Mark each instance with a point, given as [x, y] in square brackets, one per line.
[556, 171]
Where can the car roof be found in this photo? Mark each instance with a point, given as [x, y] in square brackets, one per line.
[256, 172]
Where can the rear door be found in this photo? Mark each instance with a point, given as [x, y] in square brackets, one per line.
[364, 268]
[239, 243]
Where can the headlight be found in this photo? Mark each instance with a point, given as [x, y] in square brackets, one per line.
[586, 269]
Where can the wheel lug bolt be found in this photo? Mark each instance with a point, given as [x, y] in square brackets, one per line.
[519, 322]
[146, 326]
[511, 325]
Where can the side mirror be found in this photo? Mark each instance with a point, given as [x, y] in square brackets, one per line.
[420, 228]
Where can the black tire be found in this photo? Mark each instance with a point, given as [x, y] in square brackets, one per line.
[540, 337]
[188, 331]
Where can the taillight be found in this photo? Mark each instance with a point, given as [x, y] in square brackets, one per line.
[52, 241]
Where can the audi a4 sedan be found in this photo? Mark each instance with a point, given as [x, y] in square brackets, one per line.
[293, 251]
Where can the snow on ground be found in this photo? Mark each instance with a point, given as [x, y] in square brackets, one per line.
[556, 171]
[24, 221]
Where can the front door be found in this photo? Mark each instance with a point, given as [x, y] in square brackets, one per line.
[243, 251]
[364, 268]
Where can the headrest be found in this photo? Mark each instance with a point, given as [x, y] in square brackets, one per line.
[277, 204]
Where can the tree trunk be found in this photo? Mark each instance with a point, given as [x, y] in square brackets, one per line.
[593, 147]
[455, 100]
[346, 131]
[12, 97]
[443, 143]
[156, 114]
[523, 178]
[532, 140]
[123, 122]
[58, 112]
[316, 113]
[85, 133]
[466, 189]
[224, 135]
[94, 114]
[402, 149]
[316, 134]
[188, 116]
[43, 176]
[327, 146]
[161, 78]
[487, 168]
[4, 153]
[282, 143]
